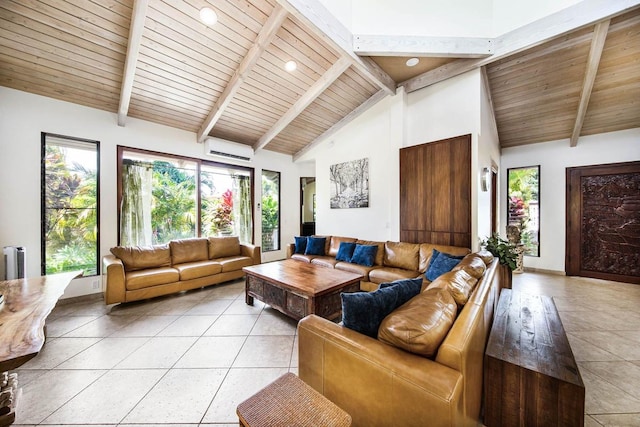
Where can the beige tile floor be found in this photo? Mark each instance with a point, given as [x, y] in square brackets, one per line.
[191, 358]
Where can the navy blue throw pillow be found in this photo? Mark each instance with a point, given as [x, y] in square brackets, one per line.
[441, 263]
[301, 244]
[315, 245]
[365, 255]
[345, 251]
[364, 311]
[406, 288]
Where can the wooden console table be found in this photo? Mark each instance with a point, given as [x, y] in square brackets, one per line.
[27, 303]
[530, 375]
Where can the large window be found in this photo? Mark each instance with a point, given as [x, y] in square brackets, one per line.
[524, 206]
[70, 214]
[270, 211]
[165, 197]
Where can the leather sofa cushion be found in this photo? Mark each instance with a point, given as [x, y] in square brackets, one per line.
[486, 256]
[334, 244]
[472, 264]
[426, 250]
[389, 274]
[194, 270]
[220, 247]
[151, 277]
[420, 325]
[379, 254]
[402, 255]
[143, 257]
[355, 268]
[189, 250]
[324, 261]
[459, 283]
[303, 257]
[234, 263]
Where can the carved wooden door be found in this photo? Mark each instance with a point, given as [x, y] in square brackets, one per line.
[603, 222]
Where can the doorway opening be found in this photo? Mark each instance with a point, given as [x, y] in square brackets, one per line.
[307, 206]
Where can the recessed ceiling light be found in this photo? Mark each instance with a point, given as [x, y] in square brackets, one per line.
[290, 66]
[208, 16]
[412, 62]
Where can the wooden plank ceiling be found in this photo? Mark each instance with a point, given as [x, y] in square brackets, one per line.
[228, 80]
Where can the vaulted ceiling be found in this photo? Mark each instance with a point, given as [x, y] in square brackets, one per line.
[155, 60]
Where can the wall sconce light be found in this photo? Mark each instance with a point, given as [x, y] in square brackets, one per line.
[485, 179]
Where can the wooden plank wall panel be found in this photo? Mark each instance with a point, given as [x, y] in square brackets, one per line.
[536, 93]
[614, 100]
[435, 192]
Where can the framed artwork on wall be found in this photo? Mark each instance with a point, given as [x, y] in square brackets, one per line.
[349, 184]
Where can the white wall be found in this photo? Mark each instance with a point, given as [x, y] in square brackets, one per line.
[554, 157]
[24, 116]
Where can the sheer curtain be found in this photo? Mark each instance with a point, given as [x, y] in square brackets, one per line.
[135, 215]
[242, 225]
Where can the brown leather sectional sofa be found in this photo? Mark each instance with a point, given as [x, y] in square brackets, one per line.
[384, 383]
[135, 273]
[394, 260]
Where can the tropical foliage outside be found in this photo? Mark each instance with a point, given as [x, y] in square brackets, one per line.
[70, 208]
[270, 211]
[524, 206]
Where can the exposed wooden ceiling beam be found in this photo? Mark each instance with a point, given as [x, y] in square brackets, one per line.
[133, 48]
[342, 123]
[580, 15]
[263, 40]
[326, 26]
[487, 88]
[593, 61]
[304, 101]
[445, 47]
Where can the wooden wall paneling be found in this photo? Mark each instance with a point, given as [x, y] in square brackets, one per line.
[435, 192]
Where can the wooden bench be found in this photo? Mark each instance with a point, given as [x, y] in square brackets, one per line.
[530, 375]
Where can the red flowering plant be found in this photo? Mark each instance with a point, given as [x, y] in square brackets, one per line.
[222, 214]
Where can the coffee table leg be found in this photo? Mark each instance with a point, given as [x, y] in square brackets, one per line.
[248, 299]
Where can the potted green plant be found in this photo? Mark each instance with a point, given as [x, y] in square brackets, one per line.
[502, 249]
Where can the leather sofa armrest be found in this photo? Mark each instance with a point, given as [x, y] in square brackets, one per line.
[291, 248]
[354, 370]
[252, 251]
[113, 280]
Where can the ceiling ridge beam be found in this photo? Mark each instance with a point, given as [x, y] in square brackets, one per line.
[138, 17]
[373, 99]
[580, 15]
[593, 61]
[304, 101]
[317, 18]
[442, 47]
[263, 40]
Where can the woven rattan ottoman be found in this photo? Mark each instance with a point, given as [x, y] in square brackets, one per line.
[288, 401]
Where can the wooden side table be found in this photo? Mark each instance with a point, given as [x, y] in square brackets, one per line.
[530, 375]
[290, 402]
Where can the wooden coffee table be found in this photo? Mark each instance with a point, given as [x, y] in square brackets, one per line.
[298, 289]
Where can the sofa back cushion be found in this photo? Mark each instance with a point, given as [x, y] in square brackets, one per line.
[221, 247]
[379, 253]
[472, 264]
[143, 257]
[402, 255]
[459, 283]
[420, 325]
[426, 251]
[189, 250]
[334, 244]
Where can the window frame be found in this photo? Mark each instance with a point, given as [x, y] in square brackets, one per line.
[279, 246]
[43, 208]
[199, 162]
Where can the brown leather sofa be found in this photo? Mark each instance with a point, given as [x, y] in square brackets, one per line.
[394, 260]
[135, 273]
[380, 384]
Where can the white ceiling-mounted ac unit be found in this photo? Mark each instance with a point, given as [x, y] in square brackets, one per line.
[228, 150]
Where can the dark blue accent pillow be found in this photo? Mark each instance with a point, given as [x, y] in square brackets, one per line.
[345, 251]
[441, 263]
[301, 244]
[315, 245]
[406, 288]
[365, 255]
[364, 311]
